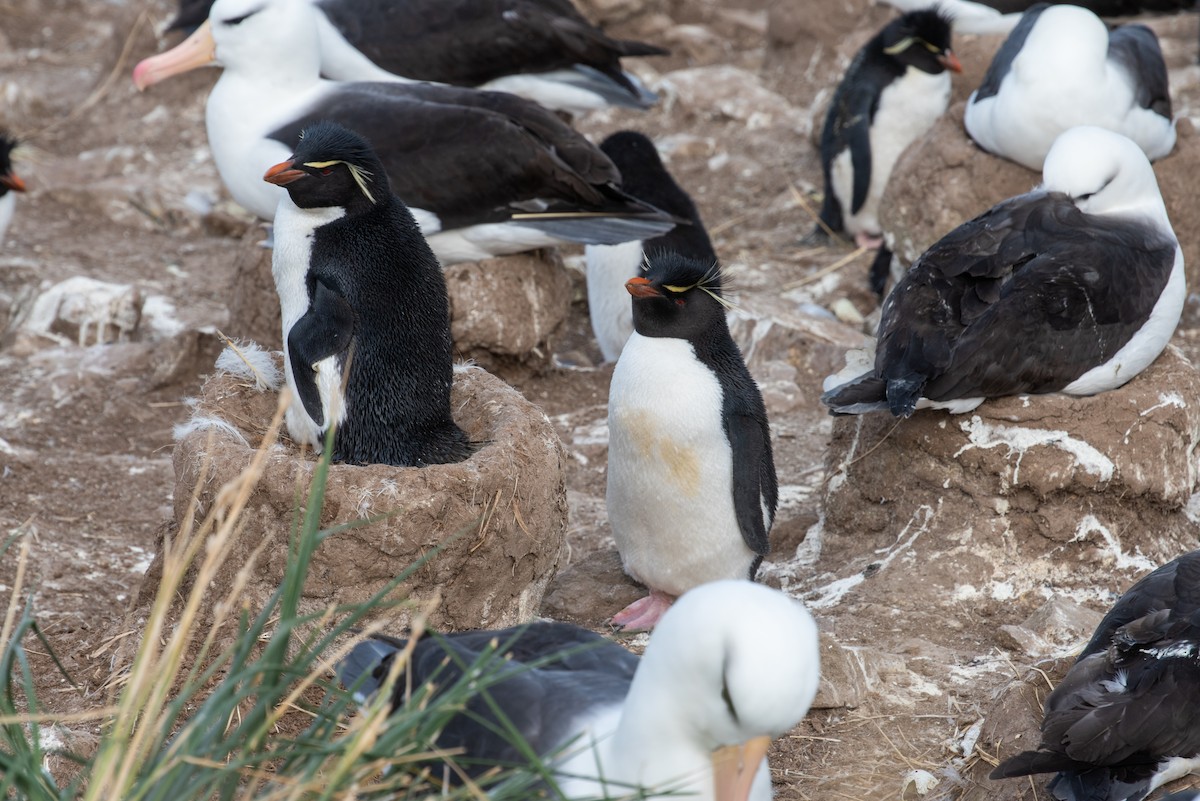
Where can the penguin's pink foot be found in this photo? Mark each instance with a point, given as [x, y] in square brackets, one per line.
[643, 614]
[868, 241]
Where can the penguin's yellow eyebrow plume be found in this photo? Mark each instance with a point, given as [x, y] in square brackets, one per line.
[900, 46]
[702, 285]
[359, 175]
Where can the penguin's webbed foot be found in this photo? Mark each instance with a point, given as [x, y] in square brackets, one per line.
[643, 614]
[868, 241]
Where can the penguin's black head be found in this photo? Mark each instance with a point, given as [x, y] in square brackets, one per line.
[635, 156]
[677, 296]
[8, 178]
[921, 39]
[332, 166]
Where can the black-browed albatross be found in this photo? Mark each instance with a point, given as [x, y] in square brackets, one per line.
[544, 50]
[731, 666]
[1074, 287]
[484, 173]
[1123, 721]
[1062, 67]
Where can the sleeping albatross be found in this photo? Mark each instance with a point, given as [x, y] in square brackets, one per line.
[544, 50]
[1074, 287]
[1061, 67]
[484, 173]
[1122, 722]
[731, 666]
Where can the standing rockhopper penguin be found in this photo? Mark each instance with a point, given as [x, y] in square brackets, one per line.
[892, 94]
[644, 176]
[691, 480]
[366, 321]
[10, 182]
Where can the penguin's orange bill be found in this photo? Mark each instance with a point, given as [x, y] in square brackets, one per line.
[641, 287]
[950, 61]
[735, 766]
[283, 174]
[13, 182]
[198, 50]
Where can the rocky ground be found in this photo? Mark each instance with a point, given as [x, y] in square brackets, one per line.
[943, 557]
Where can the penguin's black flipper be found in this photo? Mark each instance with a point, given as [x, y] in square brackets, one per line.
[325, 330]
[848, 126]
[754, 482]
[860, 157]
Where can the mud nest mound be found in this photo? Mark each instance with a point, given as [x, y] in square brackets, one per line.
[491, 527]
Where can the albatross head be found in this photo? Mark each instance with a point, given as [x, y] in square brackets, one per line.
[270, 39]
[730, 667]
[1104, 173]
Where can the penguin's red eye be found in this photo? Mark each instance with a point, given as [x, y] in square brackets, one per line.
[679, 302]
[327, 171]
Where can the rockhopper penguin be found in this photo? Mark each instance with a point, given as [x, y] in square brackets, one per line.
[644, 176]
[10, 182]
[366, 320]
[892, 93]
[691, 481]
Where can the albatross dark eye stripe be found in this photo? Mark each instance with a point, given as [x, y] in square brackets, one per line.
[728, 699]
[241, 19]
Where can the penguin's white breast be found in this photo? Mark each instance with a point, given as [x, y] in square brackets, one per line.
[8, 205]
[908, 108]
[295, 229]
[670, 469]
[608, 268]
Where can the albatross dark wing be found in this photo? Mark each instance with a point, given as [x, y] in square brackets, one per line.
[540, 694]
[440, 139]
[1137, 49]
[1025, 298]
[427, 41]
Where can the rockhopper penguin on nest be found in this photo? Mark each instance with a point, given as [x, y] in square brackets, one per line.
[366, 320]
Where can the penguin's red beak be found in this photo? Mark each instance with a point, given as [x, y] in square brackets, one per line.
[950, 61]
[283, 173]
[641, 287]
[13, 182]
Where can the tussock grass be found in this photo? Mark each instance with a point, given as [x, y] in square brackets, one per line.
[194, 719]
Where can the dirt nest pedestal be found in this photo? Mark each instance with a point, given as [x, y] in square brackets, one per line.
[1021, 499]
[499, 518]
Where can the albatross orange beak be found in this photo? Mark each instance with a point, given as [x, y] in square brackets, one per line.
[735, 766]
[198, 50]
[283, 173]
[641, 287]
[950, 61]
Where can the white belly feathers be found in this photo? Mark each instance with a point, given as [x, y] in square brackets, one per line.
[670, 486]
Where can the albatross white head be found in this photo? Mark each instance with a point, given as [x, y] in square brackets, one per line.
[731, 666]
[273, 40]
[1104, 173]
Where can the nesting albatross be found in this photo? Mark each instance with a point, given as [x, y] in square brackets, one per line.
[731, 666]
[1074, 287]
[544, 50]
[484, 173]
[1122, 722]
[1061, 67]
